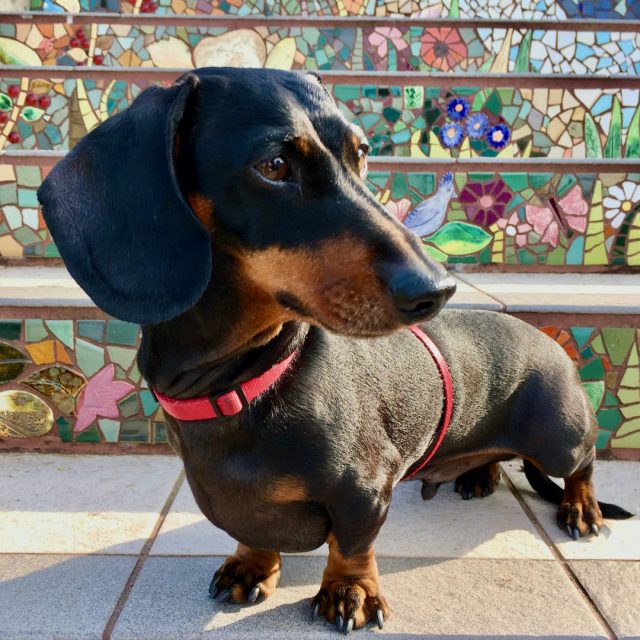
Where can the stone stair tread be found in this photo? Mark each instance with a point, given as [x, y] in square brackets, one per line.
[561, 292]
[44, 286]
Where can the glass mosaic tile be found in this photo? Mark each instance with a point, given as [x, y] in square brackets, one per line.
[515, 219]
[383, 48]
[608, 361]
[10, 329]
[484, 9]
[536, 127]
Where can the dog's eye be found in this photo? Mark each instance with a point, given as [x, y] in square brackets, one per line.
[363, 149]
[276, 169]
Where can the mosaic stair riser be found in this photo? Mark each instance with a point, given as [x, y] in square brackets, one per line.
[480, 9]
[409, 120]
[523, 221]
[400, 47]
[76, 381]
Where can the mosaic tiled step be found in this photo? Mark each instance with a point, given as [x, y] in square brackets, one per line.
[522, 220]
[71, 376]
[479, 9]
[410, 119]
[125, 42]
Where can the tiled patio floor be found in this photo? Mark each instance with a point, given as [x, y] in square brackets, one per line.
[114, 546]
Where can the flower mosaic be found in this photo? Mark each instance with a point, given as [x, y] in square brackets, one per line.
[398, 120]
[517, 218]
[568, 220]
[486, 9]
[75, 380]
[402, 48]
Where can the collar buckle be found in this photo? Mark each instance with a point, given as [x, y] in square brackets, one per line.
[228, 403]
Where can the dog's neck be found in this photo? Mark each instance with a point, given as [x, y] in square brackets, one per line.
[235, 332]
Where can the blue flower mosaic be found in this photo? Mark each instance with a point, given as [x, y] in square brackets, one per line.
[498, 136]
[451, 135]
[477, 125]
[458, 108]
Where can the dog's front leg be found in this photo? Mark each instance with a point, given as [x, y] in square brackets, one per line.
[350, 594]
[248, 575]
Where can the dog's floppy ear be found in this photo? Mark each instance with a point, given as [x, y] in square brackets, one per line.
[116, 213]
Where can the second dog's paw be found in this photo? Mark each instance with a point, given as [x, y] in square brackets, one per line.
[480, 482]
[350, 605]
[245, 579]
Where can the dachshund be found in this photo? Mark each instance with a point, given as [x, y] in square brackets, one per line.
[228, 214]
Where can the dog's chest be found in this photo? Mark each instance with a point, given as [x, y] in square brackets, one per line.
[257, 502]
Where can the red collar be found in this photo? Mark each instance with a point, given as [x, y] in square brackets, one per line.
[447, 410]
[233, 402]
[229, 403]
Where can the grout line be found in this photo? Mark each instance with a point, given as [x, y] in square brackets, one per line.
[561, 560]
[144, 554]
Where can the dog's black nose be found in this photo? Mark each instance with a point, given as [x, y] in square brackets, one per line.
[418, 298]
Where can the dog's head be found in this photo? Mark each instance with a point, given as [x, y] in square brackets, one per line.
[259, 163]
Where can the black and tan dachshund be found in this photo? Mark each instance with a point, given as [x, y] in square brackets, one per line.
[229, 216]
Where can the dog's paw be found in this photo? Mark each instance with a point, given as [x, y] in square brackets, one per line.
[244, 580]
[480, 482]
[350, 605]
[580, 517]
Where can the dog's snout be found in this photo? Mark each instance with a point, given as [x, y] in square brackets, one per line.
[418, 298]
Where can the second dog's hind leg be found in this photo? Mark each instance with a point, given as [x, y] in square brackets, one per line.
[479, 482]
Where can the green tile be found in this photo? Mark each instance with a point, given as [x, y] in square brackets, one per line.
[26, 236]
[63, 330]
[618, 343]
[160, 432]
[610, 400]
[10, 329]
[119, 332]
[51, 251]
[122, 356]
[89, 435]
[603, 439]
[134, 431]
[598, 345]
[592, 371]
[28, 176]
[27, 198]
[110, 429]
[515, 181]
[149, 404]
[8, 193]
[90, 358]
[65, 429]
[609, 419]
[35, 330]
[129, 406]
[93, 329]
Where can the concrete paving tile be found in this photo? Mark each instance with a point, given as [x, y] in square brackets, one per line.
[614, 587]
[560, 292]
[617, 482]
[447, 526]
[62, 597]
[81, 504]
[435, 598]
